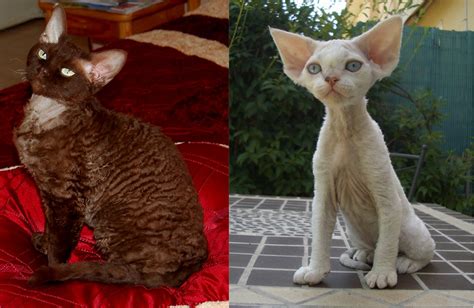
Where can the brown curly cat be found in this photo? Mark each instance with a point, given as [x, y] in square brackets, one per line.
[93, 166]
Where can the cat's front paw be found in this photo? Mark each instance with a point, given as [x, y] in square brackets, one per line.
[308, 275]
[41, 276]
[39, 243]
[381, 279]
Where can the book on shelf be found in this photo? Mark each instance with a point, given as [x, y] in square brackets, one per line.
[112, 6]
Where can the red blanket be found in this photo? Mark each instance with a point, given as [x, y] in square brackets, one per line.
[187, 97]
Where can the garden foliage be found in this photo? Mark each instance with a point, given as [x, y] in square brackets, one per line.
[274, 124]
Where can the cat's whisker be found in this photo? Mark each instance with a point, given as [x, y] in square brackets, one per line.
[19, 72]
[17, 59]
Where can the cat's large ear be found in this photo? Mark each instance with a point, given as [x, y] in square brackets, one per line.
[103, 66]
[381, 44]
[56, 26]
[294, 49]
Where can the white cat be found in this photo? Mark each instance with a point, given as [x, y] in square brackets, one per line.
[351, 165]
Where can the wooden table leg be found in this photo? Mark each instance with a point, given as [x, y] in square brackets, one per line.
[193, 4]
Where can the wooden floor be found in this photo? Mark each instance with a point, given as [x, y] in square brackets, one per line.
[15, 43]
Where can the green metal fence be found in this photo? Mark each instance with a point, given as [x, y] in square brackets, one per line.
[444, 62]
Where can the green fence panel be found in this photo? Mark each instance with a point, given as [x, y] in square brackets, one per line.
[444, 62]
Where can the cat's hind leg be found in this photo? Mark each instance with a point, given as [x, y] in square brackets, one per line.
[92, 271]
[406, 265]
[111, 273]
[359, 259]
[416, 246]
[39, 242]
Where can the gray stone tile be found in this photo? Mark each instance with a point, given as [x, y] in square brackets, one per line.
[334, 242]
[278, 262]
[340, 281]
[295, 208]
[457, 255]
[337, 252]
[462, 238]
[466, 267]
[468, 246]
[339, 243]
[438, 238]
[244, 248]
[245, 238]
[243, 206]
[273, 201]
[235, 274]
[297, 202]
[446, 282]
[448, 246]
[282, 250]
[454, 232]
[407, 282]
[271, 278]
[268, 207]
[239, 260]
[284, 240]
[438, 267]
[250, 201]
[272, 223]
[444, 226]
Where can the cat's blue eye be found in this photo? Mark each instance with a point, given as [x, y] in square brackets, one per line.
[42, 55]
[353, 66]
[67, 72]
[313, 68]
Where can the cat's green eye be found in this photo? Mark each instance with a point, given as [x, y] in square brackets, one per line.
[313, 68]
[42, 55]
[67, 72]
[353, 66]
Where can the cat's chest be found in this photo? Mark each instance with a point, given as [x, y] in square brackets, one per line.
[348, 174]
[32, 137]
[42, 114]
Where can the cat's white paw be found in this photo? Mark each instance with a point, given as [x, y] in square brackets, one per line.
[381, 279]
[407, 265]
[308, 275]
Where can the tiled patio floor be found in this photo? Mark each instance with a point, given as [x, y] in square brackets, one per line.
[270, 238]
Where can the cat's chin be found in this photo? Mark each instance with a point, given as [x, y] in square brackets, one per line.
[338, 100]
[37, 87]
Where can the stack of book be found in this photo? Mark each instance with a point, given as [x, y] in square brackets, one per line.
[112, 6]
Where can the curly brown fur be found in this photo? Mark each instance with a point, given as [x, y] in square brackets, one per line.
[93, 166]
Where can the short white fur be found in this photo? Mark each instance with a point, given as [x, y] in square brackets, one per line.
[351, 166]
[43, 113]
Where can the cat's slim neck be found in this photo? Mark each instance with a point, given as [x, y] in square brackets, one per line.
[347, 120]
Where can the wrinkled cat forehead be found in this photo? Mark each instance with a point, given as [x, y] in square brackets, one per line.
[337, 51]
[63, 50]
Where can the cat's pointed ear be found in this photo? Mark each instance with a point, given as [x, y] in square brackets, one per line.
[103, 66]
[56, 26]
[381, 44]
[294, 49]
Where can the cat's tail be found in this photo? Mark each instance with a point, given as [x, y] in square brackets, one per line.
[106, 272]
[346, 259]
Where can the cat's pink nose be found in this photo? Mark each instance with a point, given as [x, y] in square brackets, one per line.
[331, 80]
